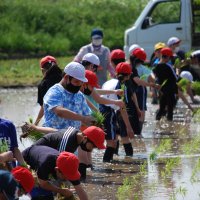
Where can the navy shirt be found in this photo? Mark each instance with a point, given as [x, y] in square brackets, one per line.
[64, 140]
[8, 134]
[42, 159]
[8, 185]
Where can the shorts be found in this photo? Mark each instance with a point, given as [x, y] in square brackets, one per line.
[121, 125]
[110, 122]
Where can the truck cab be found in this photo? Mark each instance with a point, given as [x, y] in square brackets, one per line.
[162, 19]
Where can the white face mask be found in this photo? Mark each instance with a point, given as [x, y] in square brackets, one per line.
[97, 42]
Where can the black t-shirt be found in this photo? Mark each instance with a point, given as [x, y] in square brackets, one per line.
[64, 140]
[166, 77]
[42, 159]
[45, 84]
[132, 83]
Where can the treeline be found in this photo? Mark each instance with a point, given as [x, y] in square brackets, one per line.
[30, 28]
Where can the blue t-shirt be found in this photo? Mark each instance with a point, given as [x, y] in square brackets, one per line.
[8, 185]
[8, 134]
[58, 96]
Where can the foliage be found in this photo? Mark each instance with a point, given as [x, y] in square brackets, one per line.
[24, 72]
[183, 83]
[63, 26]
[99, 118]
[196, 87]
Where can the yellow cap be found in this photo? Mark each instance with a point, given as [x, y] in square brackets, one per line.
[159, 45]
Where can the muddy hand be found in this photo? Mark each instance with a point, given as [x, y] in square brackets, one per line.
[120, 103]
[119, 92]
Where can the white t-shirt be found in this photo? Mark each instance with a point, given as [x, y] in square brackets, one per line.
[111, 85]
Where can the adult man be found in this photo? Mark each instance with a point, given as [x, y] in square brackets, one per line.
[51, 164]
[15, 183]
[64, 105]
[101, 51]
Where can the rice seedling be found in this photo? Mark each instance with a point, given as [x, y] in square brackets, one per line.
[183, 84]
[99, 118]
[28, 131]
[3, 146]
[196, 87]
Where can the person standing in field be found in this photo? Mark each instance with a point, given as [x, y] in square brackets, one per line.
[101, 51]
[52, 74]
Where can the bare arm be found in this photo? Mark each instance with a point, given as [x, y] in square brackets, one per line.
[142, 82]
[68, 114]
[6, 157]
[53, 188]
[81, 192]
[40, 115]
[102, 91]
[18, 155]
[91, 105]
[102, 100]
[181, 95]
[129, 129]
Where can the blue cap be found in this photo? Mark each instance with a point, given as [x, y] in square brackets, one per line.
[97, 32]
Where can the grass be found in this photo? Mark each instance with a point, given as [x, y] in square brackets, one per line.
[24, 72]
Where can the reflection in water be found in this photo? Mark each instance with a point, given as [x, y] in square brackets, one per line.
[165, 178]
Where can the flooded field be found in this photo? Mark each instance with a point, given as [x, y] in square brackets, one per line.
[166, 161]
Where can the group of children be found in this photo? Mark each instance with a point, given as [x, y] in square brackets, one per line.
[67, 101]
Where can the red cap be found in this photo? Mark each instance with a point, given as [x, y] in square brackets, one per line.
[123, 68]
[95, 135]
[140, 54]
[92, 78]
[24, 177]
[68, 164]
[117, 54]
[47, 59]
[166, 52]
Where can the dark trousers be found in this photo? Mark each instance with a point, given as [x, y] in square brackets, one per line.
[167, 103]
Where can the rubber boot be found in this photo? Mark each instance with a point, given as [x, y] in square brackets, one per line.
[82, 169]
[108, 155]
[128, 149]
[117, 148]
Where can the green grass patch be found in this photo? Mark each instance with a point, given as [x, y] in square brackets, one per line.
[24, 72]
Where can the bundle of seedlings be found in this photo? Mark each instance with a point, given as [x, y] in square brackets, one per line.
[28, 131]
[98, 119]
[196, 87]
[183, 83]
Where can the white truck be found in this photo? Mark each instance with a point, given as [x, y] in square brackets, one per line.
[162, 19]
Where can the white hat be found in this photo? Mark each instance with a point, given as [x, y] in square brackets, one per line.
[187, 75]
[133, 47]
[76, 70]
[92, 58]
[195, 53]
[173, 40]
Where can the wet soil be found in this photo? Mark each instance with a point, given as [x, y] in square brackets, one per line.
[150, 180]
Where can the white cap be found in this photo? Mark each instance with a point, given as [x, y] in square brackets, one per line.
[187, 75]
[76, 70]
[92, 58]
[133, 47]
[173, 40]
[195, 53]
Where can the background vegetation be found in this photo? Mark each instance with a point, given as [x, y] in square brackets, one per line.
[59, 27]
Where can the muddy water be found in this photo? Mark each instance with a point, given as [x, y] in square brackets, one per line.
[149, 180]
